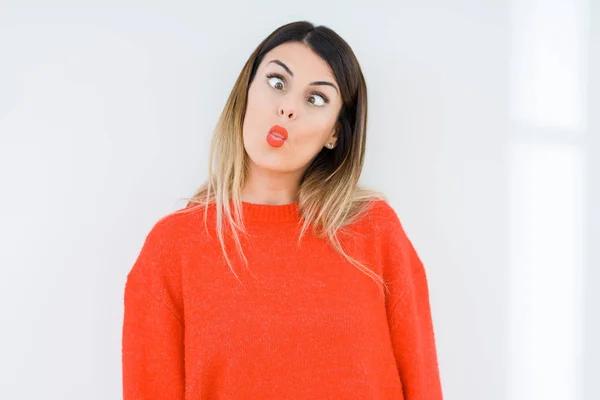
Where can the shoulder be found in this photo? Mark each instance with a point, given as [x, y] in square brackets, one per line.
[168, 237]
[380, 208]
[157, 268]
[381, 216]
[397, 250]
[176, 226]
[381, 225]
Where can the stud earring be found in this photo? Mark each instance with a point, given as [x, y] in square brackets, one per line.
[330, 145]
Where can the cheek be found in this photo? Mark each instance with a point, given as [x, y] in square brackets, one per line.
[251, 114]
[317, 128]
[258, 100]
[256, 119]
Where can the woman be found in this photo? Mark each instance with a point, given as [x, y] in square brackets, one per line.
[282, 279]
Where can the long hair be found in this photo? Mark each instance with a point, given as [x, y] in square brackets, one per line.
[329, 195]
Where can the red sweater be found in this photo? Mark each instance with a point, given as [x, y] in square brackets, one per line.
[303, 324]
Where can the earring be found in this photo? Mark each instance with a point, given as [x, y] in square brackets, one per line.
[330, 145]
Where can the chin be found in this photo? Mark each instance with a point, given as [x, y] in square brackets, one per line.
[264, 158]
[273, 165]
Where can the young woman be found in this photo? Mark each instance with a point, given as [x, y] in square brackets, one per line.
[282, 278]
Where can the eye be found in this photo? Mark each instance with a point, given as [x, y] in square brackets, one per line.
[317, 100]
[275, 81]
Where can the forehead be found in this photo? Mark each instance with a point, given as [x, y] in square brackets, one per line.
[301, 59]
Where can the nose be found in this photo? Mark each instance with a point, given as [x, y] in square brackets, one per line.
[288, 111]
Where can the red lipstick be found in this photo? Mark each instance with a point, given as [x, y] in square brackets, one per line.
[277, 136]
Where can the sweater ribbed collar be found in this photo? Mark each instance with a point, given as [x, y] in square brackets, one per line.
[253, 212]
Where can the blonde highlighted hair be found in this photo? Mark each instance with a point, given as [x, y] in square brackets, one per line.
[329, 194]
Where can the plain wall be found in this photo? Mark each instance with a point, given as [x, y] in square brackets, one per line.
[106, 113]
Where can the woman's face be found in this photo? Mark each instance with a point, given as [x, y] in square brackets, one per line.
[294, 89]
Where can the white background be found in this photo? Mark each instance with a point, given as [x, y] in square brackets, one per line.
[483, 131]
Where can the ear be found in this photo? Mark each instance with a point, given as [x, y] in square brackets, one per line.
[332, 140]
[334, 132]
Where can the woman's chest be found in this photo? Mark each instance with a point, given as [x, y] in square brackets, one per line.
[286, 290]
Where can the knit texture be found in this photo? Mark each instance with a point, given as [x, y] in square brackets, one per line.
[300, 323]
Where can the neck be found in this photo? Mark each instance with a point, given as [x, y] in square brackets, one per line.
[270, 187]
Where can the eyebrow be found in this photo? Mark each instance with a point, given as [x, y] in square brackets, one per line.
[289, 71]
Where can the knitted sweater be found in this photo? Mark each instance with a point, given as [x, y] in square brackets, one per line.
[301, 322]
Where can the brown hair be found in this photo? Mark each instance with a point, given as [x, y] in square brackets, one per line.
[329, 195]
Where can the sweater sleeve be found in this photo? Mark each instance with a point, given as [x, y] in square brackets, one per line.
[152, 334]
[409, 316]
